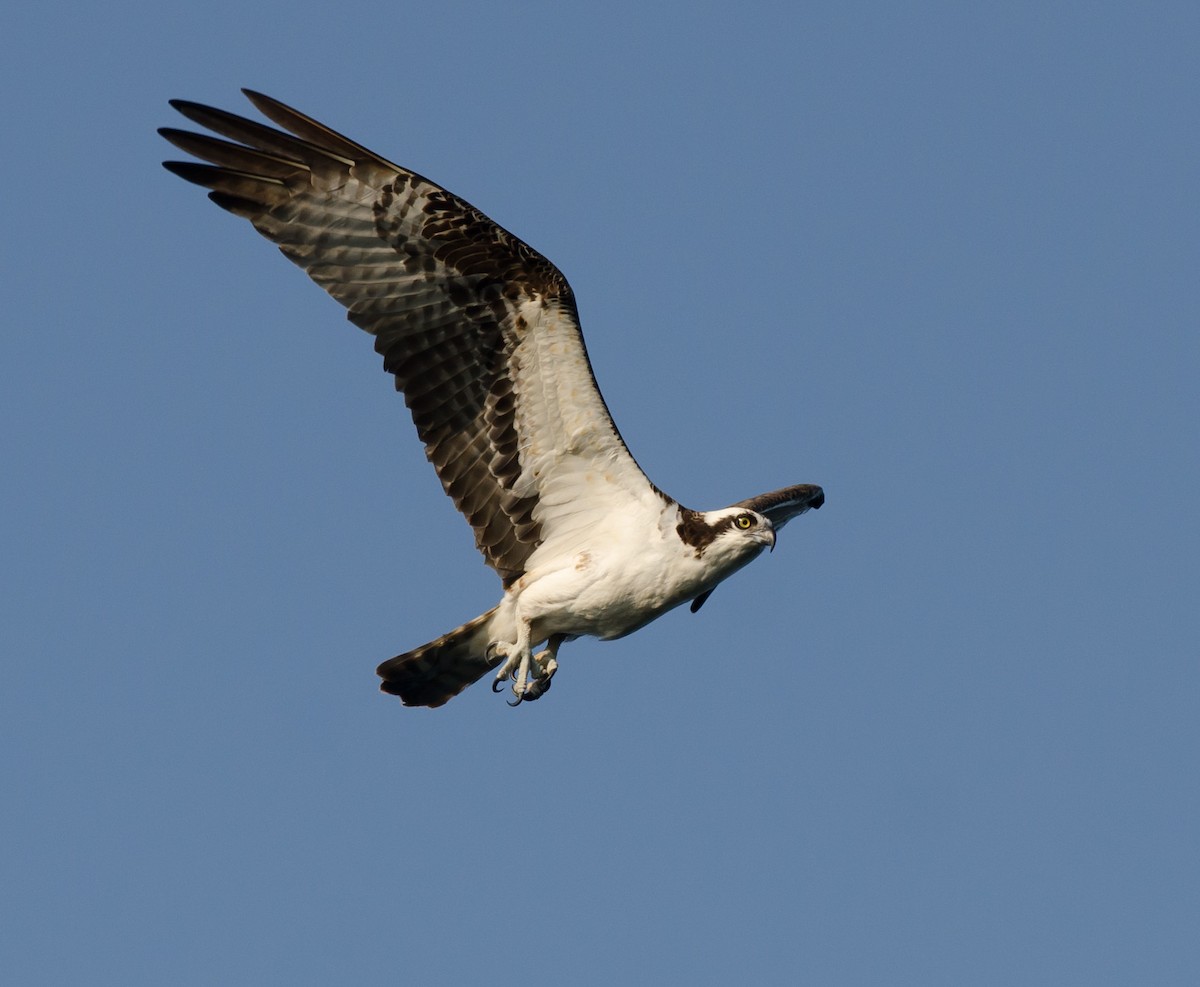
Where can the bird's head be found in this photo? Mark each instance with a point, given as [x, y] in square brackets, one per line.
[743, 529]
[733, 535]
[729, 535]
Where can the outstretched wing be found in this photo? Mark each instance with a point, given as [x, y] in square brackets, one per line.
[480, 330]
[780, 506]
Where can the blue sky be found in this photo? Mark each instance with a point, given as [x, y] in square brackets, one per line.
[939, 258]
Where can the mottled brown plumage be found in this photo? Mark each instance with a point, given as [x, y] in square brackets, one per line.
[426, 273]
[435, 673]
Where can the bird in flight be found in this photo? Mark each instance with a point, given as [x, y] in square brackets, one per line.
[482, 335]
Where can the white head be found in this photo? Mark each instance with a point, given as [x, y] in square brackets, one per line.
[730, 536]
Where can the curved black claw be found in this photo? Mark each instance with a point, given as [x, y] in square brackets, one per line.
[536, 689]
[498, 685]
[517, 701]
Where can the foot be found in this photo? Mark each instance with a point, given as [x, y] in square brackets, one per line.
[545, 665]
[517, 664]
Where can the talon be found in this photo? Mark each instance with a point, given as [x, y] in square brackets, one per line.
[546, 666]
[519, 662]
[520, 683]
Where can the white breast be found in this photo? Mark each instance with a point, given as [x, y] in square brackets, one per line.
[618, 578]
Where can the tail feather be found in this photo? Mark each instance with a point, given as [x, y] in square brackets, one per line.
[438, 671]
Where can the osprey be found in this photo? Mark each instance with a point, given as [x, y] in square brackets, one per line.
[482, 335]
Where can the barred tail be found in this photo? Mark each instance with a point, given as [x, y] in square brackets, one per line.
[438, 671]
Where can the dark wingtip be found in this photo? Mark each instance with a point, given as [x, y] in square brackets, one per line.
[190, 109]
[198, 174]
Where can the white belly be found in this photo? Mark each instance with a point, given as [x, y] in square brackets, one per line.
[612, 591]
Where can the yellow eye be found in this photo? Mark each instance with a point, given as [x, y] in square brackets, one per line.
[745, 521]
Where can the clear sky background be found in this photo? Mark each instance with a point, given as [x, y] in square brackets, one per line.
[943, 259]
